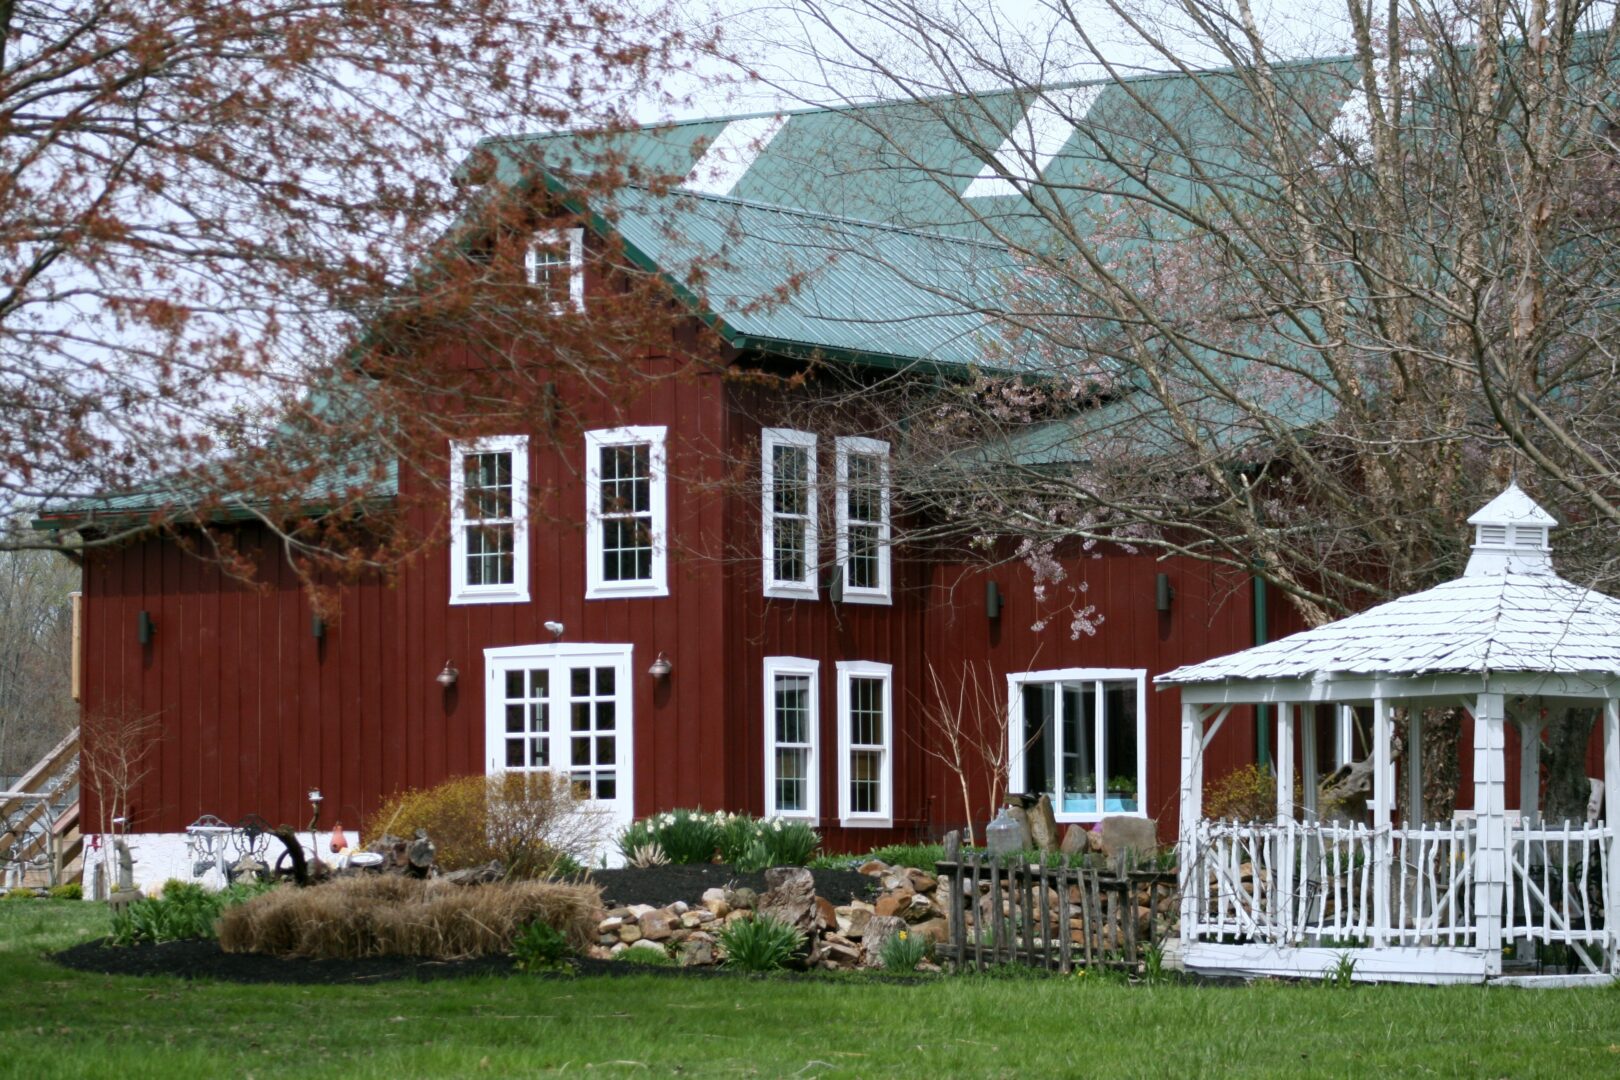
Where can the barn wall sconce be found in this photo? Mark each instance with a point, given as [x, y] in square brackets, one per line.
[317, 627]
[992, 600]
[144, 627]
[661, 667]
[1163, 594]
[447, 678]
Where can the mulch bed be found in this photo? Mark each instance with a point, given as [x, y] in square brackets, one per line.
[661, 886]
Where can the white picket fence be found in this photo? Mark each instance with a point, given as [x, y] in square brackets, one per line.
[1340, 886]
[1558, 886]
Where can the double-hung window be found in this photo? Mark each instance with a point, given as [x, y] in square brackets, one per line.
[1077, 735]
[626, 521]
[489, 520]
[555, 266]
[863, 520]
[792, 736]
[788, 472]
[865, 744]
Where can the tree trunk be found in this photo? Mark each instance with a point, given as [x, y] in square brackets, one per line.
[1566, 790]
[1442, 773]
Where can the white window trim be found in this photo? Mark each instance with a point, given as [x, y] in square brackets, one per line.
[804, 589]
[552, 238]
[863, 669]
[846, 445]
[1016, 743]
[596, 587]
[518, 591]
[793, 665]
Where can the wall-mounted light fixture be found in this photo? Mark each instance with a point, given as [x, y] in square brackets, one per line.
[447, 678]
[144, 627]
[661, 667]
[555, 629]
[992, 600]
[317, 627]
[1162, 593]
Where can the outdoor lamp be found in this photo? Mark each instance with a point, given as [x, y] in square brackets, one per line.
[661, 667]
[447, 677]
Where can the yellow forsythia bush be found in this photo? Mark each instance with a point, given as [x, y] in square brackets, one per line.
[526, 821]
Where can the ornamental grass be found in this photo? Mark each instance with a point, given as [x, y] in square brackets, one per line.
[397, 916]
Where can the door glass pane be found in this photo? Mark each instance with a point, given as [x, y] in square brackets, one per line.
[579, 681]
[514, 753]
[514, 718]
[514, 684]
[604, 680]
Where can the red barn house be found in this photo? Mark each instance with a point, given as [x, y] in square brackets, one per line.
[613, 604]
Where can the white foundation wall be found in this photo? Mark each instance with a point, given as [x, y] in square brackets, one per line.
[161, 856]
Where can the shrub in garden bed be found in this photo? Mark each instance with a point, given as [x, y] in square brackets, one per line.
[695, 836]
[183, 909]
[528, 822]
[397, 916]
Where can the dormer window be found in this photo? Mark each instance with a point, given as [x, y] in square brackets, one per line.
[555, 266]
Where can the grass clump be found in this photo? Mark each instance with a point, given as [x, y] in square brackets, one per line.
[903, 952]
[541, 947]
[531, 823]
[760, 944]
[68, 890]
[396, 916]
[917, 856]
[646, 958]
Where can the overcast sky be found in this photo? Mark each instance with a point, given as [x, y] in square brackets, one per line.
[787, 46]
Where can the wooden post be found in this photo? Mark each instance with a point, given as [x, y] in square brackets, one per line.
[1344, 737]
[1382, 850]
[76, 659]
[1284, 762]
[1192, 797]
[1611, 816]
[1490, 823]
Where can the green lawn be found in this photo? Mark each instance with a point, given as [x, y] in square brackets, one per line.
[57, 1023]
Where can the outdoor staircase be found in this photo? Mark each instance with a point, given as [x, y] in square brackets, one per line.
[40, 844]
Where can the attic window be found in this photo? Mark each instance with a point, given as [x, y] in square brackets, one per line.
[1494, 535]
[555, 265]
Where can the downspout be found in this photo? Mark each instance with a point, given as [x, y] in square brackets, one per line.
[1262, 713]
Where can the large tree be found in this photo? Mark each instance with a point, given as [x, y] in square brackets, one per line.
[207, 206]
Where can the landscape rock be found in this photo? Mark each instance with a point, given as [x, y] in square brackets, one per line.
[1121, 833]
[852, 921]
[826, 914]
[790, 897]
[629, 932]
[649, 946]
[878, 932]
[638, 910]
[1076, 840]
[697, 950]
[921, 881]
[718, 908]
[874, 868]
[918, 909]
[935, 930]
[694, 919]
[610, 925]
[680, 907]
[893, 903]
[656, 925]
[1043, 827]
[744, 898]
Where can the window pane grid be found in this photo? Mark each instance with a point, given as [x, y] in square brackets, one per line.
[866, 736]
[791, 505]
[1081, 744]
[863, 517]
[488, 518]
[625, 509]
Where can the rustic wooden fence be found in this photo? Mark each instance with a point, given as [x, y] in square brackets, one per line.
[1053, 917]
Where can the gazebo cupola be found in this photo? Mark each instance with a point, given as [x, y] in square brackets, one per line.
[1510, 536]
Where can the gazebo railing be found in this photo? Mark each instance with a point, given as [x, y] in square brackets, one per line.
[1336, 886]
[1558, 882]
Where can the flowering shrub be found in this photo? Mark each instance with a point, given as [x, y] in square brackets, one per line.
[696, 836]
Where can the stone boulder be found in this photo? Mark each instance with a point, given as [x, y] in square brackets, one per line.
[657, 925]
[1121, 833]
[1043, 826]
[1076, 840]
[878, 933]
[790, 897]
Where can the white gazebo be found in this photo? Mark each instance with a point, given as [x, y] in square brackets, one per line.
[1415, 901]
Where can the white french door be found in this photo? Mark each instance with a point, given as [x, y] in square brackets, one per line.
[563, 708]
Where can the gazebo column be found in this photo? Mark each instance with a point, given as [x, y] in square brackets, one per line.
[1192, 809]
[1611, 816]
[1383, 797]
[1413, 753]
[1307, 758]
[1490, 823]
